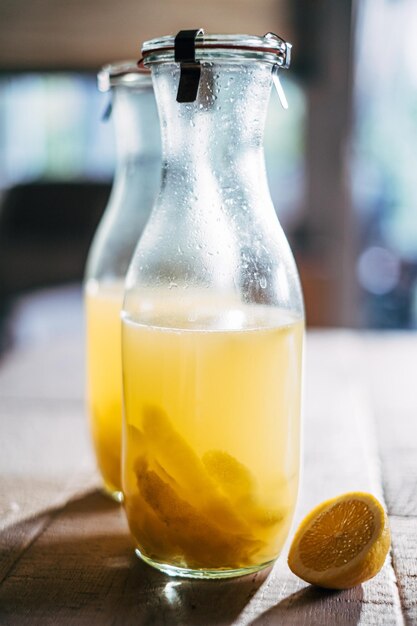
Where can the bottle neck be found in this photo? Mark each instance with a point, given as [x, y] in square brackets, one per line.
[136, 126]
[138, 166]
[215, 144]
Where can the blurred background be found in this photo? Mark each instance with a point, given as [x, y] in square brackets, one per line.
[342, 161]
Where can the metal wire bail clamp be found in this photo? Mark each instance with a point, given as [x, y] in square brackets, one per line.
[184, 47]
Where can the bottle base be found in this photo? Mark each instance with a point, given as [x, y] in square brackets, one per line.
[183, 572]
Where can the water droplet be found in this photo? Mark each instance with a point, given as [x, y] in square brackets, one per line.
[262, 282]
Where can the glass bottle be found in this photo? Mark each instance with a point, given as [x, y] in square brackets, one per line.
[212, 326]
[136, 182]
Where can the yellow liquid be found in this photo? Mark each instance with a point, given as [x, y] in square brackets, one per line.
[211, 458]
[104, 378]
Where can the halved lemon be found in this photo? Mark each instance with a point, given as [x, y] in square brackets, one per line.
[342, 542]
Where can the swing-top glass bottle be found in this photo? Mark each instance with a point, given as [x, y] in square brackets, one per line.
[213, 325]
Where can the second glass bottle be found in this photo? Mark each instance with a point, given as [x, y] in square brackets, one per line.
[136, 183]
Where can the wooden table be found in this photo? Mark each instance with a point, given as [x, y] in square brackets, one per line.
[66, 556]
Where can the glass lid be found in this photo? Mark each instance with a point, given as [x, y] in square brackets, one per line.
[126, 73]
[209, 47]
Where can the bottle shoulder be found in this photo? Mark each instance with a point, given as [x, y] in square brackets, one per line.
[214, 255]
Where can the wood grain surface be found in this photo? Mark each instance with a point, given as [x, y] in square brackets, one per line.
[65, 552]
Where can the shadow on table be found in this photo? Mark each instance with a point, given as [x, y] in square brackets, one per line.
[82, 568]
[315, 607]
